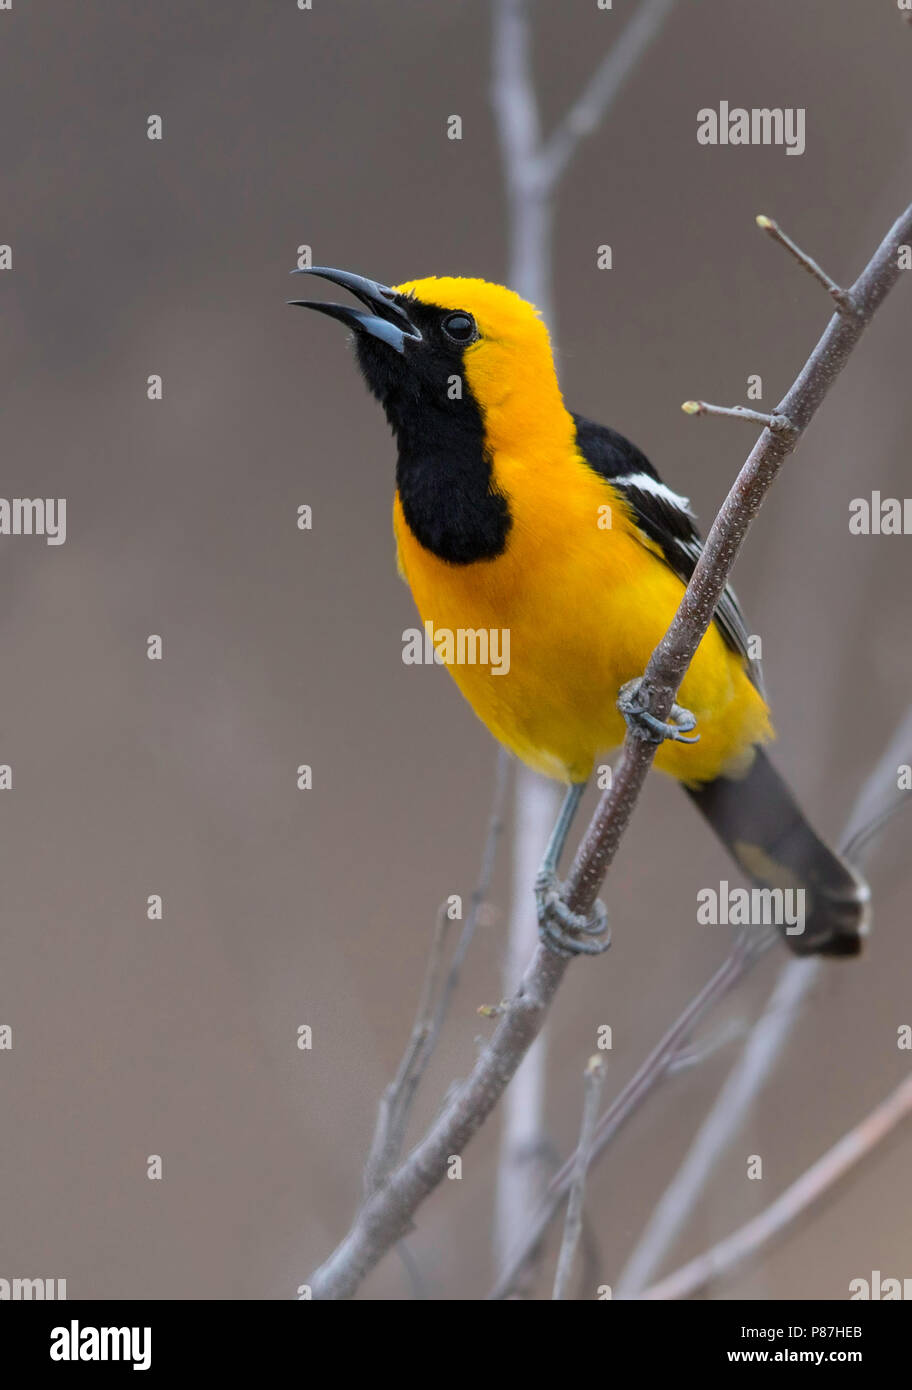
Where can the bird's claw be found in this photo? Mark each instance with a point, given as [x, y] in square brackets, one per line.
[648, 726]
[560, 927]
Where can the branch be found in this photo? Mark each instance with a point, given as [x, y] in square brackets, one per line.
[392, 1113]
[594, 1081]
[877, 801]
[670, 660]
[810, 1189]
[530, 212]
[842, 298]
[602, 90]
[398, 1099]
[512, 89]
[388, 1213]
[747, 949]
[387, 1216]
[533, 173]
[520, 1172]
[524, 1162]
[779, 424]
[759, 1056]
[880, 796]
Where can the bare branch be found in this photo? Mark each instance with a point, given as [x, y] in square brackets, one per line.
[875, 803]
[757, 1061]
[779, 424]
[396, 1104]
[698, 1053]
[386, 1216]
[602, 89]
[525, 1162]
[512, 89]
[841, 297]
[530, 218]
[530, 211]
[761, 1052]
[669, 661]
[811, 1188]
[532, 172]
[396, 1100]
[480, 893]
[594, 1081]
[533, 167]
[640, 1086]
[880, 796]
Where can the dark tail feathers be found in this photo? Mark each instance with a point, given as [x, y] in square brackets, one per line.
[757, 818]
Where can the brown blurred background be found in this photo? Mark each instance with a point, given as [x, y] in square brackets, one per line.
[132, 777]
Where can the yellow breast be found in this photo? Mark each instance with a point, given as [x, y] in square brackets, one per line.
[578, 606]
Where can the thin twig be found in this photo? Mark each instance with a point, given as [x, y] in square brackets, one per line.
[779, 424]
[641, 1085]
[842, 298]
[698, 1053]
[761, 1051]
[594, 1081]
[602, 89]
[386, 1143]
[868, 835]
[385, 1217]
[398, 1098]
[480, 893]
[817, 1183]
[880, 795]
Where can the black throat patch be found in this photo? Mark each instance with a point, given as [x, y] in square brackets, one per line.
[443, 473]
[443, 476]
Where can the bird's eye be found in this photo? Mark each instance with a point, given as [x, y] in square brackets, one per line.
[460, 328]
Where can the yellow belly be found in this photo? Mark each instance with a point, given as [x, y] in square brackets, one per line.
[583, 609]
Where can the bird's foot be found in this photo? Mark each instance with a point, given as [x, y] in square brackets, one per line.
[632, 704]
[560, 928]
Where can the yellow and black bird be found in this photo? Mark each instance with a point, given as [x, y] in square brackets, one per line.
[500, 510]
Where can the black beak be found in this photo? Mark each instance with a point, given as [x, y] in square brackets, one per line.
[387, 320]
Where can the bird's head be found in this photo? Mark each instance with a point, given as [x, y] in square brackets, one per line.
[430, 345]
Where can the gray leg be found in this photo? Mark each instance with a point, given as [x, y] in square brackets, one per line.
[558, 925]
[569, 808]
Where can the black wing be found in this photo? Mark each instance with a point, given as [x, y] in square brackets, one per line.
[663, 517]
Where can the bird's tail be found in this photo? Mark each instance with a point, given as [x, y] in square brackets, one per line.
[756, 817]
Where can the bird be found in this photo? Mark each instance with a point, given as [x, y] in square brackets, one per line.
[514, 515]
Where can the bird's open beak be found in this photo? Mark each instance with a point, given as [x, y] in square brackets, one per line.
[387, 320]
